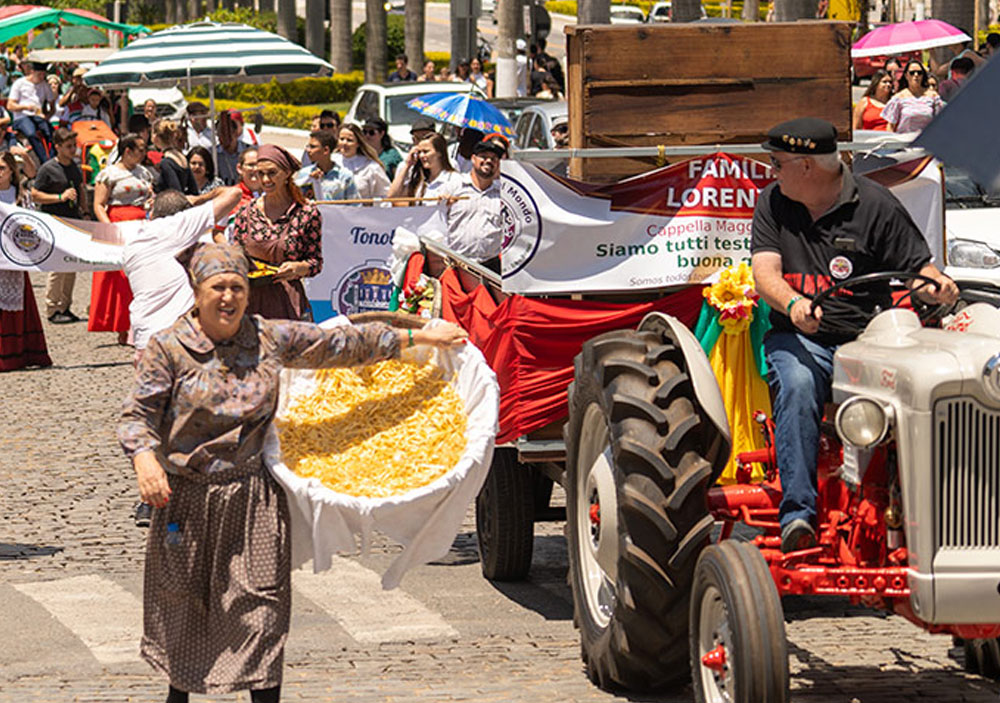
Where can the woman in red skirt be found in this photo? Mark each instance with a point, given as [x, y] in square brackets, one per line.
[22, 340]
[121, 192]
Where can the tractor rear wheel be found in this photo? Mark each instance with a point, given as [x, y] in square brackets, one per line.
[738, 649]
[983, 657]
[640, 456]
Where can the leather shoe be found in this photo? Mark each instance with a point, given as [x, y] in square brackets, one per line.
[62, 318]
[796, 535]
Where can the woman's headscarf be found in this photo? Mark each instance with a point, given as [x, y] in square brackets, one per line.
[278, 155]
[204, 260]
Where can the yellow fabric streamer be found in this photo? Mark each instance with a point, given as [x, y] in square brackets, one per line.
[732, 359]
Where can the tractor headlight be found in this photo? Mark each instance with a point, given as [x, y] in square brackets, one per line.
[966, 253]
[862, 422]
[991, 376]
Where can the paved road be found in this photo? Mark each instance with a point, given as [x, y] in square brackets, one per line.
[70, 585]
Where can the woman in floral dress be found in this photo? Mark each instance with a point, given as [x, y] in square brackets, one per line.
[217, 588]
[282, 229]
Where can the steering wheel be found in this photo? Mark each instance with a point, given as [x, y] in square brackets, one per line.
[830, 299]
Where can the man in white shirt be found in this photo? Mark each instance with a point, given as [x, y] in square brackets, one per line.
[522, 67]
[160, 289]
[31, 103]
[198, 133]
[474, 220]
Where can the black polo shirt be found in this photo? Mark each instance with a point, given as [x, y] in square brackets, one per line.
[867, 230]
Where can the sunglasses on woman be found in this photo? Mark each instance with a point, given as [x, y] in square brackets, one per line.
[914, 73]
[370, 132]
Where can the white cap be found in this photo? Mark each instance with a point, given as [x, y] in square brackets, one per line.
[520, 45]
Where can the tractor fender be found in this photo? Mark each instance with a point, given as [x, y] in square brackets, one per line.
[706, 388]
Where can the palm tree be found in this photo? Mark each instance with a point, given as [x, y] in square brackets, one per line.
[286, 20]
[685, 10]
[960, 13]
[414, 31]
[340, 35]
[791, 10]
[751, 10]
[376, 54]
[314, 27]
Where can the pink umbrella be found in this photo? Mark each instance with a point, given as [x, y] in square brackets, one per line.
[907, 36]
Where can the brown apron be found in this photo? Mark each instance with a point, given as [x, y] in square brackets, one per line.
[276, 300]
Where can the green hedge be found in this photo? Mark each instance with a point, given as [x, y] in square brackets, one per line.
[293, 116]
[338, 88]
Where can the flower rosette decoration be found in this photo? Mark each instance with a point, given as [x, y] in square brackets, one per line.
[734, 297]
[418, 299]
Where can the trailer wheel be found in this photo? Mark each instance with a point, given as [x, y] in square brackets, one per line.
[738, 649]
[640, 457]
[505, 518]
[983, 657]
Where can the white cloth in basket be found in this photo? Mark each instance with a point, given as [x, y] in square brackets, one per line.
[425, 520]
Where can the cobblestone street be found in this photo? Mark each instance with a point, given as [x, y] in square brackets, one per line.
[66, 529]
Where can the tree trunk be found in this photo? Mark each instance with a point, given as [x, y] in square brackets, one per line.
[265, 6]
[286, 20]
[414, 29]
[593, 12]
[211, 6]
[751, 10]
[685, 10]
[376, 54]
[508, 15]
[791, 10]
[960, 13]
[340, 35]
[171, 11]
[194, 9]
[315, 31]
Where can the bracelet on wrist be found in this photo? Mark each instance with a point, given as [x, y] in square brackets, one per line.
[791, 304]
[409, 334]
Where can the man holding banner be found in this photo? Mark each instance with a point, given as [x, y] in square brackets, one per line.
[474, 219]
[813, 228]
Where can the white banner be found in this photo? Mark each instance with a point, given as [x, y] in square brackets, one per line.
[357, 247]
[673, 226]
[34, 241]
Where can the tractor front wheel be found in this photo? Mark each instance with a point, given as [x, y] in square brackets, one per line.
[983, 657]
[738, 649]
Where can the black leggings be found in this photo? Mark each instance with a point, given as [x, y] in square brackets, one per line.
[265, 695]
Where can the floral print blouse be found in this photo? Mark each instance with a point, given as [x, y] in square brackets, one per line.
[205, 407]
[301, 227]
[126, 187]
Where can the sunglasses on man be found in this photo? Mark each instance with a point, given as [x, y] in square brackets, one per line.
[327, 125]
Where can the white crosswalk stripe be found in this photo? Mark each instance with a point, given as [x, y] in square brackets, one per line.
[106, 617]
[352, 595]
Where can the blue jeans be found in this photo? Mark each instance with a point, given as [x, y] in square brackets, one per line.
[800, 372]
[30, 126]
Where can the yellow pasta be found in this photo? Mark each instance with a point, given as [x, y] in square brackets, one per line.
[375, 431]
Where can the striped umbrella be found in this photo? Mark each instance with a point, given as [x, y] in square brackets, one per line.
[463, 110]
[206, 52]
[16, 20]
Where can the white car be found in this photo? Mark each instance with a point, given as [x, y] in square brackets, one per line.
[533, 132]
[627, 14]
[660, 12]
[388, 101]
[971, 232]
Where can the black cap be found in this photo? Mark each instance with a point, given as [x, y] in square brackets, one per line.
[376, 123]
[490, 145]
[423, 123]
[804, 135]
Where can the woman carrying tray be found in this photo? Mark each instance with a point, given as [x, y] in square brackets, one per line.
[217, 589]
[282, 229]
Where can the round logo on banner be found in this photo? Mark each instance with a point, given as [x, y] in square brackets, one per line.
[365, 288]
[25, 239]
[841, 267]
[521, 224]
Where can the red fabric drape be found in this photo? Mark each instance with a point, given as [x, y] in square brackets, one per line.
[530, 343]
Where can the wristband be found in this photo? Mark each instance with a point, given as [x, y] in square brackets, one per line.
[409, 333]
[788, 308]
[60, 197]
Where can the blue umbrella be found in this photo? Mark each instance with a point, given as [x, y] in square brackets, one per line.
[463, 110]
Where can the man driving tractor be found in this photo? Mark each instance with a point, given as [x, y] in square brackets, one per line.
[814, 227]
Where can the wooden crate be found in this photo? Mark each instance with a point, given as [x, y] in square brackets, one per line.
[699, 83]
